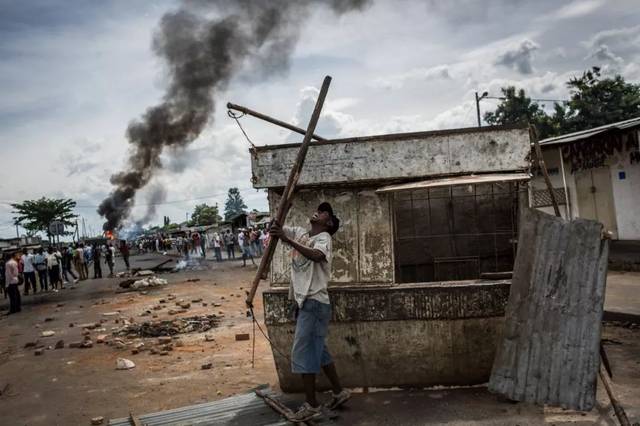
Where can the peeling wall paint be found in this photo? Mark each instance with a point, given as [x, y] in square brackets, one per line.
[362, 249]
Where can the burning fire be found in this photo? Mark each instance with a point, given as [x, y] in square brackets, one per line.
[109, 235]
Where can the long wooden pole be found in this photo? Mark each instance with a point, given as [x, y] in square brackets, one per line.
[272, 120]
[533, 135]
[287, 195]
[617, 407]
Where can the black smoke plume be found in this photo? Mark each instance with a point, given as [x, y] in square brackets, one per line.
[205, 44]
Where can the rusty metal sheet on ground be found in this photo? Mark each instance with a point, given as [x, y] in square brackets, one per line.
[549, 353]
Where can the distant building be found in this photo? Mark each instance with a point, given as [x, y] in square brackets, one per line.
[598, 177]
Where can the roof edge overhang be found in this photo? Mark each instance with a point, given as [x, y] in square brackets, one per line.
[456, 180]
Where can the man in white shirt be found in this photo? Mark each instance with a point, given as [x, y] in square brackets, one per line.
[12, 278]
[29, 272]
[310, 271]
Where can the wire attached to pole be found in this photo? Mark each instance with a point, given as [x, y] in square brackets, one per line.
[237, 118]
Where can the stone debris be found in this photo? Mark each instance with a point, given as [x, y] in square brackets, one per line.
[48, 319]
[185, 305]
[148, 282]
[242, 336]
[124, 364]
[172, 327]
[89, 325]
[209, 338]
[207, 366]
[86, 344]
[198, 300]
[48, 333]
[97, 420]
[164, 339]
[39, 351]
[101, 338]
[31, 344]
[118, 343]
[193, 280]
[75, 344]
[110, 314]
[59, 344]
[144, 273]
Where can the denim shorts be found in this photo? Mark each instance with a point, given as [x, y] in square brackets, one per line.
[309, 352]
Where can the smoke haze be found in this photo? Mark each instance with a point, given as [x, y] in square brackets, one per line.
[204, 44]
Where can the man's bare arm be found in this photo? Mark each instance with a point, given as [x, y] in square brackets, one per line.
[308, 252]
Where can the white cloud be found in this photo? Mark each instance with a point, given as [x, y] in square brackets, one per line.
[617, 37]
[519, 57]
[438, 72]
[575, 9]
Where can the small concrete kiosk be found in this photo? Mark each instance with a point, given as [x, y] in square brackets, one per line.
[428, 221]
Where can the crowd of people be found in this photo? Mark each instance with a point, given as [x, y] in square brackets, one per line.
[50, 269]
[247, 243]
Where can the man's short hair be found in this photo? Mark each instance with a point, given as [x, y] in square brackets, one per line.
[335, 222]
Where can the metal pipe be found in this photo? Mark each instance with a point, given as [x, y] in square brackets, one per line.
[272, 120]
[287, 195]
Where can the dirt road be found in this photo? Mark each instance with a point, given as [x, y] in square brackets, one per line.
[69, 386]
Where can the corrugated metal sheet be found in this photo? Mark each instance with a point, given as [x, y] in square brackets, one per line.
[247, 409]
[585, 134]
[456, 180]
[549, 353]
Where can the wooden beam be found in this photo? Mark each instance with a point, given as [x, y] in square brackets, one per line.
[615, 402]
[289, 189]
[533, 135]
[271, 120]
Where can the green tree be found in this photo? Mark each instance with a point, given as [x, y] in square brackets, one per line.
[594, 101]
[234, 204]
[204, 214]
[515, 108]
[36, 215]
[597, 101]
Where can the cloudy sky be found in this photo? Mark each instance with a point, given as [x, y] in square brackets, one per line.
[74, 74]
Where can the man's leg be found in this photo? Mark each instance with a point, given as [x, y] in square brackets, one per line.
[309, 383]
[11, 290]
[332, 375]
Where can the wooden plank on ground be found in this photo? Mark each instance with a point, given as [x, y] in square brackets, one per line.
[550, 349]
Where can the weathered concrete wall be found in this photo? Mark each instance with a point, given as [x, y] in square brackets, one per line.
[404, 335]
[362, 249]
[398, 156]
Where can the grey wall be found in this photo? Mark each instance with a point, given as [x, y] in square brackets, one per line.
[396, 157]
[404, 335]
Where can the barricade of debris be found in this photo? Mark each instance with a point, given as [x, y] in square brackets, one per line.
[172, 327]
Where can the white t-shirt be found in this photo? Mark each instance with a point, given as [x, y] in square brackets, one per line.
[309, 279]
[52, 259]
[27, 262]
[241, 239]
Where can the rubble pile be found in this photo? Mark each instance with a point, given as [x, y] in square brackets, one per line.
[150, 281]
[169, 327]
